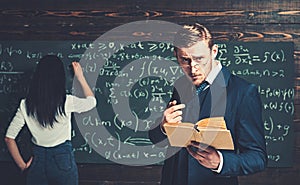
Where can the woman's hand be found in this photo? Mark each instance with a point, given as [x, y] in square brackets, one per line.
[27, 164]
[77, 70]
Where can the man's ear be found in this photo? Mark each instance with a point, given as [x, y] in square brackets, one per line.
[214, 51]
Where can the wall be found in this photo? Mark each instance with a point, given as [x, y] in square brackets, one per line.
[247, 20]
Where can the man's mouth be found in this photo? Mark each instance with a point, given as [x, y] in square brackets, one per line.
[195, 77]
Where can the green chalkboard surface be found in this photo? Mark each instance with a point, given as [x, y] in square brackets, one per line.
[133, 83]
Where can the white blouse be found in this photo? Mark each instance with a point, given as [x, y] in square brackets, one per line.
[61, 130]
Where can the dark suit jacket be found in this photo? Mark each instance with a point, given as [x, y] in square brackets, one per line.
[239, 102]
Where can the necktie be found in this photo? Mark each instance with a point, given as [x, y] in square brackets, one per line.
[201, 87]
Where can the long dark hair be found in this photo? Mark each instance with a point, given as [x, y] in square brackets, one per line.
[47, 91]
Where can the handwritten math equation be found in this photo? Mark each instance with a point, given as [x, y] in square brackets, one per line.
[140, 77]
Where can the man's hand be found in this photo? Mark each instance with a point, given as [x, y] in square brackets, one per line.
[207, 156]
[173, 113]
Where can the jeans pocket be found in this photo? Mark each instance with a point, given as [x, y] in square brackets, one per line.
[63, 161]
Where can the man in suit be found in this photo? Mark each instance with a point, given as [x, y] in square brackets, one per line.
[208, 89]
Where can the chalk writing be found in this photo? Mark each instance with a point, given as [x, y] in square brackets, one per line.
[134, 84]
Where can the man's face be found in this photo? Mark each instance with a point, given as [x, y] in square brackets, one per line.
[196, 61]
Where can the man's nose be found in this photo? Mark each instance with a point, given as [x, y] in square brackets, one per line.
[194, 66]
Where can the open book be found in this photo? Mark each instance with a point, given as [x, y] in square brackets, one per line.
[209, 131]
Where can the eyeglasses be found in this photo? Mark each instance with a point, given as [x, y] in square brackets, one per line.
[187, 62]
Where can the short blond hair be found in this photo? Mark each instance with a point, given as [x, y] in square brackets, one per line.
[191, 34]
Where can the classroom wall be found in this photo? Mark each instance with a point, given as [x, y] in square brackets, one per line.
[230, 20]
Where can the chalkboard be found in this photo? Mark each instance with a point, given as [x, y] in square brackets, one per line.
[132, 87]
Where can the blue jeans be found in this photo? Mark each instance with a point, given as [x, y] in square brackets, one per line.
[53, 165]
